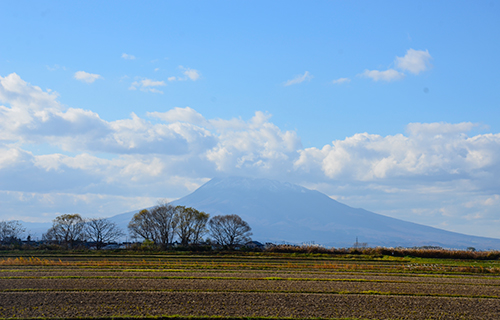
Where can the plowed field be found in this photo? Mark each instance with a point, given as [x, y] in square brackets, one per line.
[245, 286]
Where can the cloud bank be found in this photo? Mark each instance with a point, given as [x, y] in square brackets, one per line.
[434, 173]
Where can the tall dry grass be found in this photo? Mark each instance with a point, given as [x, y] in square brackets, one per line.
[397, 252]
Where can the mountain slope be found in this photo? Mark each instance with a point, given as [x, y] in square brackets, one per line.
[283, 212]
[279, 211]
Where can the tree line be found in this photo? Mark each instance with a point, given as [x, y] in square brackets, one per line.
[164, 222]
[71, 230]
[159, 226]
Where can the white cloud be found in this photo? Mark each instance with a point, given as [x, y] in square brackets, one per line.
[55, 67]
[299, 79]
[192, 74]
[388, 75]
[341, 81]
[128, 56]
[18, 93]
[434, 173]
[438, 129]
[35, 116]
[147, 85]
[180, 115]
[415, 61]
[257, 145]
[45, 206]
[86, 77]
[189, 74]
[27, 103]
[152, 83]
[438, 149]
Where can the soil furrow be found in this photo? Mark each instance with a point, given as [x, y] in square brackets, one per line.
[100, 304]
[248, 285]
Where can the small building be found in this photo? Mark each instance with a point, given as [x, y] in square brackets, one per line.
[254, 245]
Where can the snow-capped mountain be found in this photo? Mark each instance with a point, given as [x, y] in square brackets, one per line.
[284, 212]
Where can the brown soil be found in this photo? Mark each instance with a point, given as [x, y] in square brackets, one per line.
[99, 304]
[307, 293]
[250, 285]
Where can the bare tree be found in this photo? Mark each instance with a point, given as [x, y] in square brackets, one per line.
[199, 228]
[102, 231]
[10, 230]
[67, 229]
[190, 224]
[157, 224]
[142, 225]
[164, 218]
[229, 230]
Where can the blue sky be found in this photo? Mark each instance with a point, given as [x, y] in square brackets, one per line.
[390, 106]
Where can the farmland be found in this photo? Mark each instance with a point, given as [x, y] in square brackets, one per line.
[247, 285]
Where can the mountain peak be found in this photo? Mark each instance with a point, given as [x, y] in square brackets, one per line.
[280, 211]
[252, 184]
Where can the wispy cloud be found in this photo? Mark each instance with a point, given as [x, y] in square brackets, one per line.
[128, 56]
[86, 77]
[341, 81]
[147, 85]
[415, 61]
[55, 67]
[299, 79]
[189, 74]
[387, 75]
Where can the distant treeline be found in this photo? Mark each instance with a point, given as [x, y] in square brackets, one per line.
[160, 228]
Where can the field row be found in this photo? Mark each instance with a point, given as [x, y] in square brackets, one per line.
[102, 304]
[398, 265]
[261, 275]
[75, 286]
[209, 285]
